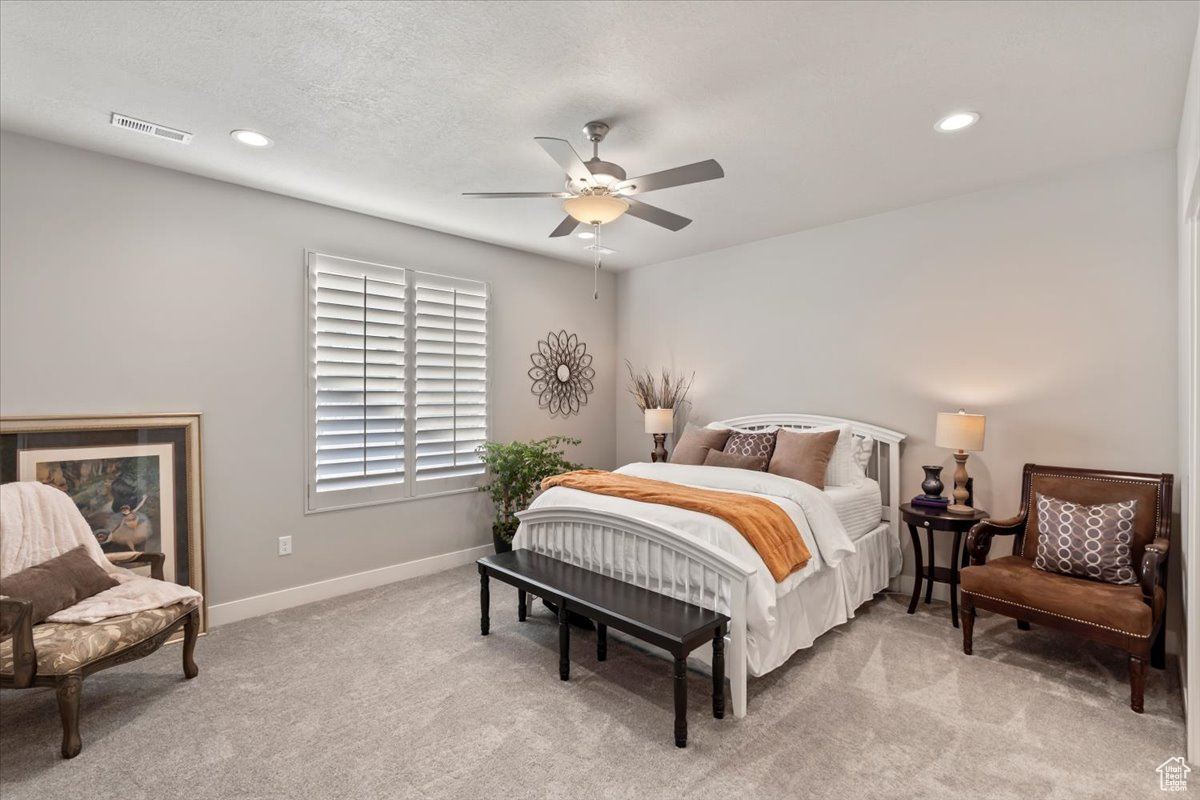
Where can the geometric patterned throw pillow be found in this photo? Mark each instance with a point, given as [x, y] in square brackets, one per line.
[1086, 541]
[760, 444]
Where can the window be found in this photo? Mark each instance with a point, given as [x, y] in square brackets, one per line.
[397, 375]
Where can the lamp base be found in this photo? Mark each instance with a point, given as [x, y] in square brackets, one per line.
[961, 495]
[659, 453]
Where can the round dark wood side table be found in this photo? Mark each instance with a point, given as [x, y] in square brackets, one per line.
[934, 520]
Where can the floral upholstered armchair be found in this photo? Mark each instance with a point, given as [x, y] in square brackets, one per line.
[60, 654]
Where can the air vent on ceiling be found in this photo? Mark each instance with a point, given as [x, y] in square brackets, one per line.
[150, 129]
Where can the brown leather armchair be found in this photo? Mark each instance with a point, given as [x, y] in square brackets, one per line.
[1129, 617]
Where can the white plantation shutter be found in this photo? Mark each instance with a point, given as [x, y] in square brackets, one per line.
[450, 406]
[397, 399]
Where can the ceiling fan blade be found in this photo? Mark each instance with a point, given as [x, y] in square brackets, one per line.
[516, 194]
[665, 219]
[679, 176]
[565, 227]
[566, 157]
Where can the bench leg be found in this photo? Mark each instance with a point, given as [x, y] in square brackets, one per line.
[484, 602]
[737, 667]
[564, 643]
[718, 673]
[680, 702]
[601, 642]
[522, 606]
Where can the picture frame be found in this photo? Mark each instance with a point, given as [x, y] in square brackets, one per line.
[136, 478]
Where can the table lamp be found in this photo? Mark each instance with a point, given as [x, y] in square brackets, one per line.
[660, 422]
[963, 433]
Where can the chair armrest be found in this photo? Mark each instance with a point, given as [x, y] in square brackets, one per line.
[979, 539]
[16, 621]
[1154, 568]
[133, 558]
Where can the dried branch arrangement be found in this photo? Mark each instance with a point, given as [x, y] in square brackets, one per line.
[650, 391]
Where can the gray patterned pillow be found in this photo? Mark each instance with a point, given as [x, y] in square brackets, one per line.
[758, 444]
[1086, 541]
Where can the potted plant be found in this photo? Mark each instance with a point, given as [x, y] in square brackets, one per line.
[515, 473]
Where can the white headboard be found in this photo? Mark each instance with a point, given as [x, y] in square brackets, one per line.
[884, 465]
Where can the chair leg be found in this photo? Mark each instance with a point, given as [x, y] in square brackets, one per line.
[1137, 682]
[67, 688]
[1158, 649]
[191, 629]
[967, 617]
[1022, 625]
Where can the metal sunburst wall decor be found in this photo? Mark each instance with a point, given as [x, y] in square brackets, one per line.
[562, 373]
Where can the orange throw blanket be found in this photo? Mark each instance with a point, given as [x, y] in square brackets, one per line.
[766, 526]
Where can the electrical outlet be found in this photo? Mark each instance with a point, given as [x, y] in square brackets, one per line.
[285, 545]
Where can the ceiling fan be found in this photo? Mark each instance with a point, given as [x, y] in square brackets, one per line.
[598, 192]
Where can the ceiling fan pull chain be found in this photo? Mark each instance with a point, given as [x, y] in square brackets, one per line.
[596, 271]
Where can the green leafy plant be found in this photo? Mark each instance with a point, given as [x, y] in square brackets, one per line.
[515, 473]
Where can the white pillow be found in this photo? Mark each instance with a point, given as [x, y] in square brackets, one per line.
[845, 465]
[866, 446]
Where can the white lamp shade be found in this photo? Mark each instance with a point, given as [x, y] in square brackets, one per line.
[660, 420]
[960, 431]
[595, 209]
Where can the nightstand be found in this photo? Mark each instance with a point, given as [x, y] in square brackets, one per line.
[933, 520]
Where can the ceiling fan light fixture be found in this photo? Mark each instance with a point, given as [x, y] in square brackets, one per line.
[595, 209]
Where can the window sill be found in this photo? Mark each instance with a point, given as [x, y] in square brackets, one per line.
[391, 500]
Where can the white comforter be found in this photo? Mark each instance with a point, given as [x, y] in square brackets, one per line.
[813, 513]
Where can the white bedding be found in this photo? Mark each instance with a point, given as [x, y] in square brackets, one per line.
[860, 508]
[811, 509]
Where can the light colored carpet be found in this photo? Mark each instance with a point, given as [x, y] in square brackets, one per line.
[392, 692]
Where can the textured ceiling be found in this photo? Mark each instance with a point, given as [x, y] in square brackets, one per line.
[819, 112]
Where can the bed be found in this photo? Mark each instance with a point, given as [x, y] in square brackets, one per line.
[852, 531]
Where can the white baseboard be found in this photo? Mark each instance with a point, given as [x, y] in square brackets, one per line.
[299, 595]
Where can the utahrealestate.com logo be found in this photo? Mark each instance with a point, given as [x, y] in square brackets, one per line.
[1172, 775]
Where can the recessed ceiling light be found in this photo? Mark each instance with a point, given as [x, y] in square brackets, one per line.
[251, 138]
[956, 122]
[586, 235]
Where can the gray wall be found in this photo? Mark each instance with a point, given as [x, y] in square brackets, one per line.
[1049, 306]
[1188, 164]
[131, 288]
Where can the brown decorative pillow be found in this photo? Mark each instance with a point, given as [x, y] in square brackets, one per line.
[1086, 541]
[759, 443]
[695, 443]
[803, 456]
[716, 458]
[58, 583]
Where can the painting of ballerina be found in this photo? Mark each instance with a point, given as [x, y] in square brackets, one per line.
[122, 492]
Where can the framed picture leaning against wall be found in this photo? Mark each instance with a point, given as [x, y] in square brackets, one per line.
[136, 479]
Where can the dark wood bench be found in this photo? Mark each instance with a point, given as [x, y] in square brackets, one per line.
[676, 626]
